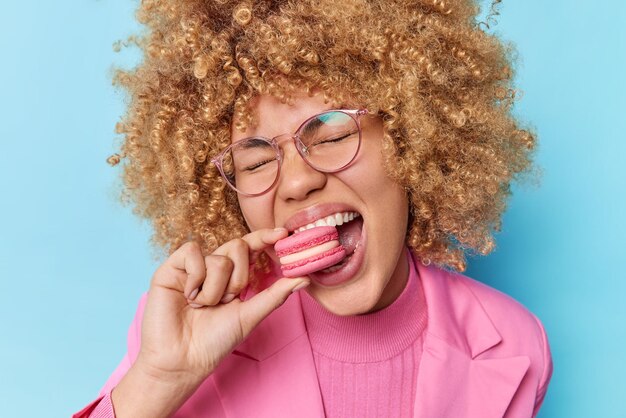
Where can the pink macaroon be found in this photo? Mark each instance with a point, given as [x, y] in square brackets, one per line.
[309, 251]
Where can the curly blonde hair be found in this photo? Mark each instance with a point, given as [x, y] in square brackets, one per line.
[442, 86]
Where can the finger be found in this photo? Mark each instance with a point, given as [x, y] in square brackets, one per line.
[262, 238]
[219, 269]
[238, 251]
[254, 310]
[241, 251]
[187, 259]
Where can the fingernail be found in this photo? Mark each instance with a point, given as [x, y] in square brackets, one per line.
[227, 297]
[300, 286]
[279, 229]
[195, 305]
[193, 294]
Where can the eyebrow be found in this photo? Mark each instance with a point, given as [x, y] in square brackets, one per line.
[309, 128]
[254, 143]
[312, 126]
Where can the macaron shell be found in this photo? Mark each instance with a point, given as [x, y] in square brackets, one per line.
[313, 264]
[305, 239]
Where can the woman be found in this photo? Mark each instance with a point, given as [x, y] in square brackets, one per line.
[231, 145]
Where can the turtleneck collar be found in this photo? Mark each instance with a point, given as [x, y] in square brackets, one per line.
[370, 337]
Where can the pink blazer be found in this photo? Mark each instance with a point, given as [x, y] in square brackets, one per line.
[485, 356]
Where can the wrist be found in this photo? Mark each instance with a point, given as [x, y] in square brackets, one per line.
[166, 378]
[146, 392]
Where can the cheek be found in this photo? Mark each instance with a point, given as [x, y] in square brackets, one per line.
[257, 211]
[385, 198]
[369, 176]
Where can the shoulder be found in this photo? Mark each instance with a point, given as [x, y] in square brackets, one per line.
[520, 332]
[503, 309]
[517, 325]
[508, 315]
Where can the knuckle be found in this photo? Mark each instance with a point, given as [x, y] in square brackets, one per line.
[191, 247]
[196, 275]
[236, 286]
[239, 245]
[238, 283]
[223, 263]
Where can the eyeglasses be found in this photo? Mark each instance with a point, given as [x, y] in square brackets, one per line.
[328, 142]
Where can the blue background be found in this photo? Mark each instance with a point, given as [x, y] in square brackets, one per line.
[73, 262]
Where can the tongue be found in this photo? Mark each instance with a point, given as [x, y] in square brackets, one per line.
[350, 234]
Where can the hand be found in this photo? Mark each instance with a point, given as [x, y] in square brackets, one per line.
[193, 318]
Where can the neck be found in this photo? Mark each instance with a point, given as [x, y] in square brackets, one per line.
[369, 337]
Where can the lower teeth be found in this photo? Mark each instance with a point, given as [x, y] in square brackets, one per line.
[332, 269]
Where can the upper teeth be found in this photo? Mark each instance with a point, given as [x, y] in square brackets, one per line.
[335, 219]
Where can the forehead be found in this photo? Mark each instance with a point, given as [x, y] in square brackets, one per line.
[271, 117]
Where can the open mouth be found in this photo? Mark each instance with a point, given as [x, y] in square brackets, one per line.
[349, 226]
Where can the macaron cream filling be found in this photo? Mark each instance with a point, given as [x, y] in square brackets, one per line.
[309, 252]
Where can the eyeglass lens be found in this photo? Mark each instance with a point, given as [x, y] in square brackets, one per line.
[329, 142]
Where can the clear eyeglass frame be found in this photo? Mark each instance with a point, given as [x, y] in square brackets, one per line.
[218, 160]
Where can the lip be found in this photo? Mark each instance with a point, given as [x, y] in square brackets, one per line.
[315, 212]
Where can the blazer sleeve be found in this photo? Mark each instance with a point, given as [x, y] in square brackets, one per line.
[102, 407]
[547, 369]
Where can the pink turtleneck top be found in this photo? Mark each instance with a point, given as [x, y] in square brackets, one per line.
[367, 365]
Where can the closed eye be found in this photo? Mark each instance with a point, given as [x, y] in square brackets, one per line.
[335, 139]
[258, 165]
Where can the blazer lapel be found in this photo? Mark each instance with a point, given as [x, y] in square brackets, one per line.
[272, 373]
[453, 382]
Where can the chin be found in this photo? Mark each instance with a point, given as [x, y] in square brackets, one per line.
[348, 303]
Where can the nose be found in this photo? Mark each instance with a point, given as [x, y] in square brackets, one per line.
[297, 179]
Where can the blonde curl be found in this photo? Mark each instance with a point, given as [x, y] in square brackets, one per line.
[442, 86]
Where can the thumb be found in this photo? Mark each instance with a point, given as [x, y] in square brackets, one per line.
[255, 309]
